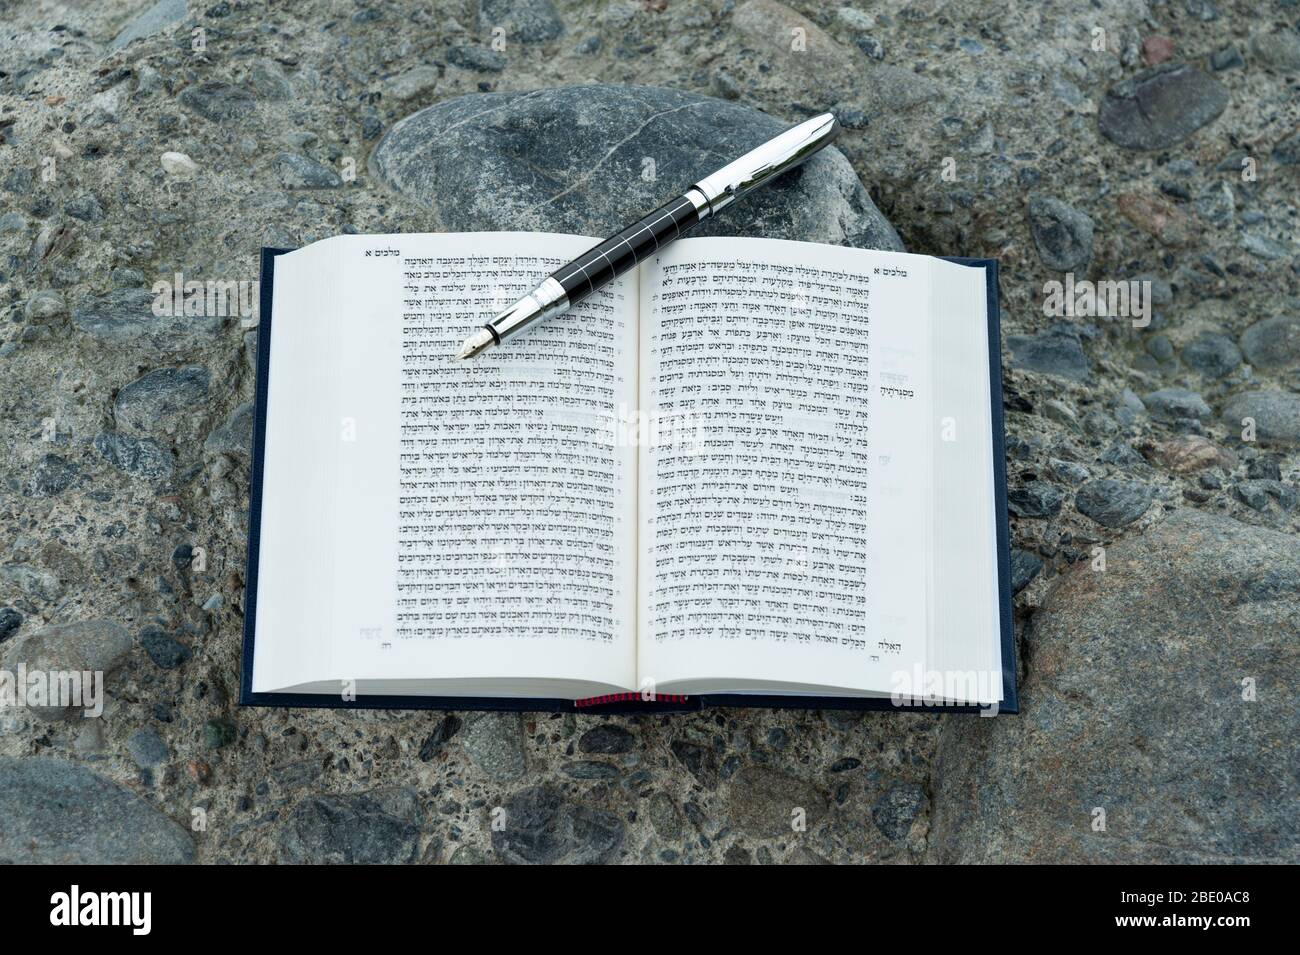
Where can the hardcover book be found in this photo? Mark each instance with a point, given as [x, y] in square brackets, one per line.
[748, 472]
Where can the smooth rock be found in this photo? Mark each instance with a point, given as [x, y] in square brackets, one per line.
[414, 82]
[1286, 152]
[1055, 351]
[542, 828]
[433, 744]
[1132, 703]
[147, 748]
[1113, 503]
[32, 581]
[10, 621]
[485, 162]
[86, 208]
[94, 646]
[1189, 453]
[1170, 404]
[158, 401]
[1062, 234]
[1273, 342]
[1280, 50]
[178, 164]
[1211, 355]
[1159, 107]
[380, 827]
[471, 56]
[56, 812]
[1276, 415]
[268, 80]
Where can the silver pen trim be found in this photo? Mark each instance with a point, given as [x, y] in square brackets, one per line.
[548, 299]
[778, 155]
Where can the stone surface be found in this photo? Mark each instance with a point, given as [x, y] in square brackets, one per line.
[1211, 355]
[144, 458]
[1276, 415]
[542, 827]
[87, 646]
[301, 172]
[234, 435]
[1273, 342]
[147, 748]
[1117, 662]
[1113, 503]
[159, 400]
[1055, 351]
[954, 113]
[897, 809]
[526, 21]
[494, 741]
[1035, 499]
[1062, 234]
[796, 43]
[218, 102]
[56, 812]
[1189, 453]
[1170, 404]
[766, 802]
[126, 317]
[1024, 568]
[380, 827]
[158, 17]
[1160, 107]
[461, 158]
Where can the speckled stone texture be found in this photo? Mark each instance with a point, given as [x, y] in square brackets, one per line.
[1161, 150]
[1166, 684]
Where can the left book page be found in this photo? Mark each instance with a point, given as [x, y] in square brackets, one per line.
[433, 526]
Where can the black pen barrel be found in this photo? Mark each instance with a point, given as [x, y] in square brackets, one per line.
[621, 252]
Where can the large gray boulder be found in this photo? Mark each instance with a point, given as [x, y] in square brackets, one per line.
[589, 160]
[52, 811]
[1134, 705]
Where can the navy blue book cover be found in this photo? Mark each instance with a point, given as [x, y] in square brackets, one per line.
[629, 702]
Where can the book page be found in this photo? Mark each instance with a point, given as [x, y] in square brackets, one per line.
[481, 518]
[785, 482]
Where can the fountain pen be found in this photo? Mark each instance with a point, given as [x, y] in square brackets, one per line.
[571, 283]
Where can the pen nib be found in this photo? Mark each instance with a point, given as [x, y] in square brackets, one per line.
[480, 340]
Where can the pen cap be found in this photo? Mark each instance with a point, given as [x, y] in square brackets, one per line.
[769, 160]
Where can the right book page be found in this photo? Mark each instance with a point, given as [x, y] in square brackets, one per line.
[789, 528]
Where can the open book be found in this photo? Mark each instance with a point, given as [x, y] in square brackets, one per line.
[749, 469]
